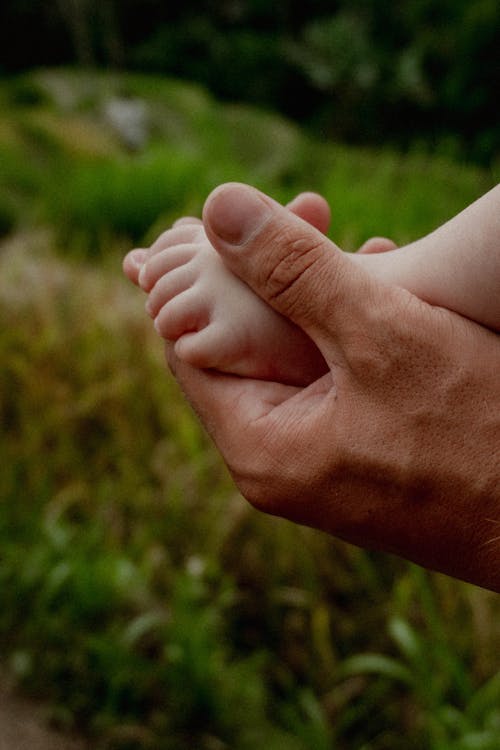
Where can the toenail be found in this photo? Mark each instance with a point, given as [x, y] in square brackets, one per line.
[142, 276]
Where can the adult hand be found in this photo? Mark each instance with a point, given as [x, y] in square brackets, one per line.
[310, 207]
[397, 447]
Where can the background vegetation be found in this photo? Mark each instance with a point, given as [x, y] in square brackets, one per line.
[361, 70]
[141, 598]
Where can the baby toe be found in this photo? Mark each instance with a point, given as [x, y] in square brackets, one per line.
[181, 315]
[200, 348]
[188, 221]
[133, 263]
[177, 235]
[164, 264]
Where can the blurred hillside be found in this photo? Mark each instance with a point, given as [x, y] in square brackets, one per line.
[361, 71]
[105, 158]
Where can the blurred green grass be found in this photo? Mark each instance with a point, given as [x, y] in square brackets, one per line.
[62, 149]
[140, 596]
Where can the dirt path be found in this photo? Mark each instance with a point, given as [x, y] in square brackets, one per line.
[22, 726]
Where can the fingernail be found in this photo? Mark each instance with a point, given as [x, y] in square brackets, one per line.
[236, 212]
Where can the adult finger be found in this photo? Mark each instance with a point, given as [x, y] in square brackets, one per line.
[292, 266]
[269, 421]
[311, 207]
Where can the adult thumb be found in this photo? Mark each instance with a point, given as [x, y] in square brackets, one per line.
[287, 262]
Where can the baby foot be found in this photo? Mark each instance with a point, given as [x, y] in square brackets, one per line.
[215, 320]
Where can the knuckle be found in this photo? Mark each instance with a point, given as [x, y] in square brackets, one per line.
[262, 494]
[270, 477]
[252, 491]
[256, 477]
[299, 266]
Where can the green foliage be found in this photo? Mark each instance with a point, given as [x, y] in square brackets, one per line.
[8, 214]
[360, 70]
[67, 164]
[150, 606]
[453, 711]
[140, 597]
[123, 197]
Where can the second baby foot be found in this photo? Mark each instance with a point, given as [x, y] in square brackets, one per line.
[217, 321]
